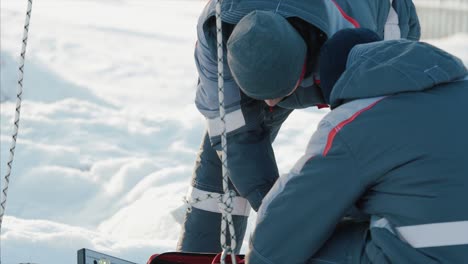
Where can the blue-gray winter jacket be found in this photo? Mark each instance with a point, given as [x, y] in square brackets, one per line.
[395, 146]
[251, 160]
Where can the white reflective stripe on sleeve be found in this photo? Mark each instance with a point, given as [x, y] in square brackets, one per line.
[427, 235]
[233, 120]
[315, 147]
[392, 27]
[435, 235]
[378, 222]
[241, 205]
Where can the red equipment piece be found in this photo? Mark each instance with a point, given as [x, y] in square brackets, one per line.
[190, 258]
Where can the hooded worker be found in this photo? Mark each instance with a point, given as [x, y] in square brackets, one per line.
[393, 146]
[270, 68]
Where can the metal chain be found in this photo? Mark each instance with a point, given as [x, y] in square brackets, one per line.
[17, 117]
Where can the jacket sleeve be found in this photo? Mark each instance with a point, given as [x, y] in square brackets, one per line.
[414, 26]
[408, 19]
[304, 207]
[251, 161]
[206, 61]
[304, 96]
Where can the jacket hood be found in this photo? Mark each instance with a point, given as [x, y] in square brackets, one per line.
[391, 67]
[323, 14]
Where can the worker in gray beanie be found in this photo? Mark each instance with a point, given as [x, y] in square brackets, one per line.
[276, 70]
[270, 68]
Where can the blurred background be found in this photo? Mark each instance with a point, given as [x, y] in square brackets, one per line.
[109, 131]
[442, 18]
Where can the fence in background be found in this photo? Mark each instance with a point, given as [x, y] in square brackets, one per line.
[441, 18]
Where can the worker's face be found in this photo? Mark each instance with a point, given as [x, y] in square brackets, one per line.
[275, 101]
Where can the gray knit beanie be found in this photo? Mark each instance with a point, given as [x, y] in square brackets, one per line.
[266, 55]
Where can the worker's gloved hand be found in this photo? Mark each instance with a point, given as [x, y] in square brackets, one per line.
[303, 97]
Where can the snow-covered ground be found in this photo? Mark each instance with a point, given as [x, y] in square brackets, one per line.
[109, 131]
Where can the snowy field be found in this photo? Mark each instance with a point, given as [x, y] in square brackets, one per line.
[109, 131]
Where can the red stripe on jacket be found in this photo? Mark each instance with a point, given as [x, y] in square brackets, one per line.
[346, 16]
[335, 130]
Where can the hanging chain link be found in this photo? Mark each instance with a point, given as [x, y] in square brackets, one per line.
[17, 118]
